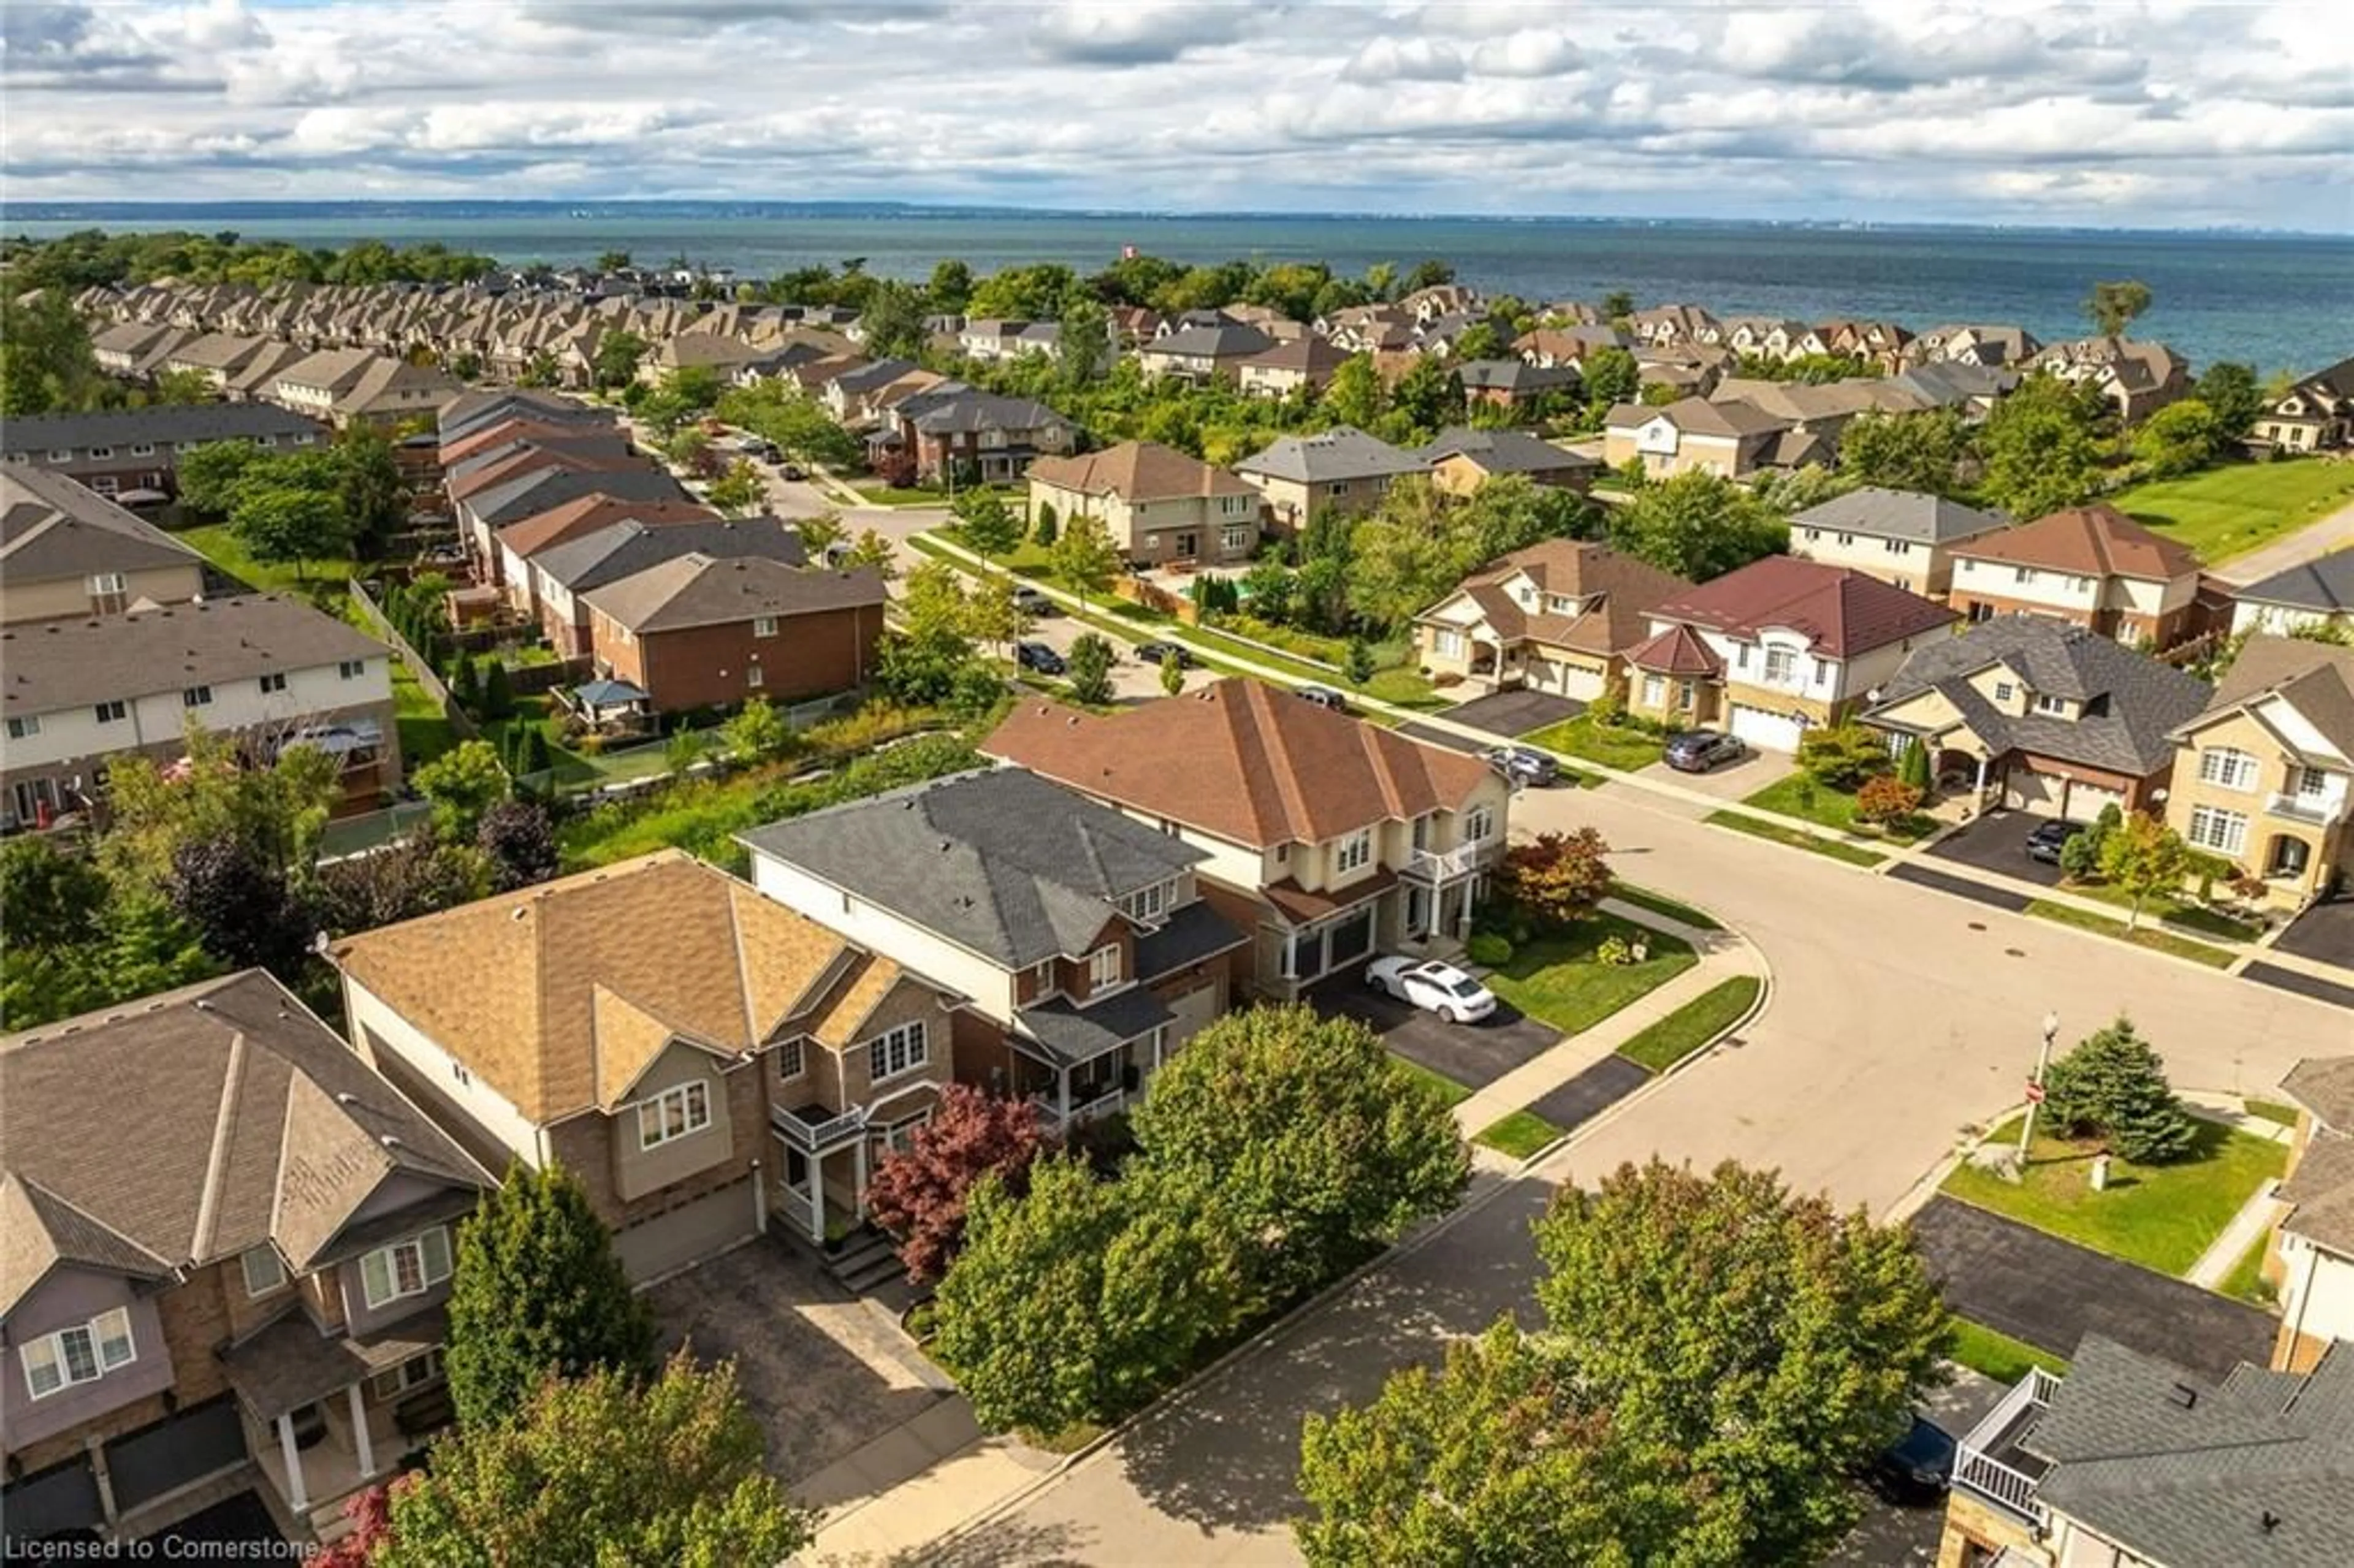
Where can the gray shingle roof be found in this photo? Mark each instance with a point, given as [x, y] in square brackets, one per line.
[1002, 861]
[545, 489]
[1504, 451]
[1071, 1034]
[692, 590]
[1342, 453]
[1908, 514]
[2189, 1475]
[2133, 702]
[630, 547]
[1186, 937]
[51, 527]
[165, 424]
[2326, 586]
[109, 658]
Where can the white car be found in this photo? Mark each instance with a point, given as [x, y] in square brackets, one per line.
[1433, 987]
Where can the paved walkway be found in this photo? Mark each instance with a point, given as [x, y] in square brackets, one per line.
[2254, 1220]
[914, 1486]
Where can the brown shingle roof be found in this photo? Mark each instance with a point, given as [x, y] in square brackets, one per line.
[567, 991]
[2086, 541]
[52, 528]
[575, 454]
[1244, 761]
[2314, 678]
[705, 590]
[2325, 1086]
[1138, 471]
[1842, 611]
[1631, 588]
[1678, 651]
[583, 514]
[1698, 417]
[2321, 1192]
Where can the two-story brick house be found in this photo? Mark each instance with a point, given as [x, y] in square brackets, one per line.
[1328, 838]
[67, 551]
[699, 1055]
[2265, 776]
[2093, 566]
[129, 453]
[1159, 506]
[225, 1270]
[561, 573]
[1903, 536]
[1559, 616]
[1776, 648]
[699, 630]
[1076, 938]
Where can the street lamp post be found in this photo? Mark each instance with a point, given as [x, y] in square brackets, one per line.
[2035, 1086]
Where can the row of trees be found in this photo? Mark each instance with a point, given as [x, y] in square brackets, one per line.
[47, 364]
[91, 257]
[300, 506]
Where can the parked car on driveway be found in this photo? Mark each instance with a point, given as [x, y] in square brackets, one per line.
[1433, 987]
[1157, 653]
[2049, 838]
[792, 470]
[1918, 1466]
[1030, 601]
[1699, 750]
[1523, 765]
[1039, 657]
[1324, 697]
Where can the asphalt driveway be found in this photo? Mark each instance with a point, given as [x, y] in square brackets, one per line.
[1998, 842]
[1474, 1054]
[1730, 780]
[2051, 1293]
[2324, 933]
[1513, 713]
[1592, 1092]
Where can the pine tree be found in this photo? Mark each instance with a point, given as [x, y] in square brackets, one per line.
[498, 693]
[538, 1288]
[464, 689]
[1915, 769]
[2112, 1084]
[536, 757]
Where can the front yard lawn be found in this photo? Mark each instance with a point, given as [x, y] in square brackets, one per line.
[2181, 912]
[1613, 746]
[1660, 904]
[1827, 808]
[1027, 559]
[1556, 978]
[1519, 1135]
[1450, 1093]
[1795, 838]
[1692, 1025]
[2148, 935]
[894, 495]
[2160, 1216]
[1989, 1352]
[2237, 508]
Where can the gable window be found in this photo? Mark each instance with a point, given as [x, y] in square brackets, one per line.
[901, 1050]
[82, 1353]
[2226, 832]
[405, 1268]
[24, 728]
[197, 697]
[1478, 824]
[263, 1272]
[1781, 663]
[1151, 903]
[101, 451]
[414, 1372]
[1561, 604]
[1355, 851]
[350, 669]
[2004, 690]
[792, 1060]
[2229, 769]
[274, 682]
[674, 1113]
[104, 583]
[2053, 705]
[1103, 968]
[764, 626]
[1846, 538]
[109, 713]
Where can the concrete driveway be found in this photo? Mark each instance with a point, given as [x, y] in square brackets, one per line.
[2051, 1293]
[1998, 842]
[1131, 680]
[1511, 713]
[1731, 780]
[1475, 1055]
[826, 1375]
[2324, 933]
[1892, 1533]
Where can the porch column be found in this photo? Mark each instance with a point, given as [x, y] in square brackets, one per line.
[297, 1494]
[1984, 762]
[817, 1195]
[1062, 1088]
[858, 1177]
[360, 1440]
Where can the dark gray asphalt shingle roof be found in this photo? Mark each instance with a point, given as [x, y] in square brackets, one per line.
[1342, 453]
[545, 489]
[1000, 862]
[1504, 451]
[1908, 514]
[1071, 1033]
[628, 546]
[2326, 586]
[165, 424]
[1192, 934]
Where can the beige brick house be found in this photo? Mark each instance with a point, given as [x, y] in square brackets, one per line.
[1560, 617]
[1341, 472]
[1161, 506]
[2093, 566]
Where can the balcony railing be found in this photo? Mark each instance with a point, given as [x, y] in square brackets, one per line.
[1446, 866]
[1104, 1105]
[1990, 1461]
[2319, 810]
[813, 1130]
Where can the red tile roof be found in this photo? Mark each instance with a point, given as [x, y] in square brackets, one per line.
[1678, 651]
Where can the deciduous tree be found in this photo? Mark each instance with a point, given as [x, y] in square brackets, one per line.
[2181, 438]
[758, 732]
[1556, 878]
[990, 525]
[1084, 559]
[1697, 526]
[819, 535]
[290, 525]
[2111, 306]
[1843, 756]
[919, 1193]
[2144, 859]
[739, 490]
[520, 841]
[1354, 395]
[2231, 390]
[1089, 666]
[461, 783]
[616, 359]
[2041, 447]
[873, 553]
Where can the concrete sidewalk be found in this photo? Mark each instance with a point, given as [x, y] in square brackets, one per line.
[2248, 1226]
[939, 1472]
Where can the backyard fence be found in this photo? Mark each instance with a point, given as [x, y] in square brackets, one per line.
[461, 723]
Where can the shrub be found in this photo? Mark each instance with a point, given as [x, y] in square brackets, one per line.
[1615, 952]
[1557, 877]
[1489, 949]
[1843, 756]
[1886, 799]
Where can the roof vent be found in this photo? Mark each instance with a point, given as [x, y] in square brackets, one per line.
[2269, 1519]
[346, 1098]
[2184, 1395]
[389, 1141]
[520, 911]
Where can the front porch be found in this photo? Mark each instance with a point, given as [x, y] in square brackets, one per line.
[1080, 1065]
[821, 1166]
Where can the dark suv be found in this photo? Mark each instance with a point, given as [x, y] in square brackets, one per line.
[1699, 750]
[2049, 839]
[1037, 656]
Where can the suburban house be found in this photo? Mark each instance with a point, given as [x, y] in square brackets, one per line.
[515, 545]
[1328, 838]
[698, 631]
[1570, 346]
[859, 395]
[272, 672]
[1341, 472]
[132, 454]
[122, 349]
[2315, 414]
[215, 357]
[562, 572]
[2264, 773]
[2093, 566]
[2311, 1261]
[68, 552]
[1559, 616]
[714, 351]
[1728, 439]
[2043, 716]
[1081, 951]
[1883, 344]
[482, 517]
[2318, 592]
[1673, 324]
[1202, 353]
[2129, 1459]
[1161, 506]
[1962, 385]
[1518, 385]
[1462, 460]
[1978, 344]
[1776, 648]
[695, 1053]
[224, 1273]
[1302, 366]
[1906, 537]
[952, 428]
[2137, 378]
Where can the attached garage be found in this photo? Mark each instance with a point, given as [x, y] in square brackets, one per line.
[1766, 731]
[1565, 678]
[177, 1451]
[2084, 802]
[2057, 795]
[54, 1505]
[686, 1235]
[1191, 1011]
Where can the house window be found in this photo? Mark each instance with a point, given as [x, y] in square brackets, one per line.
[1355, 851]
[2022, 574]
[101, 451]
[405, 1268]
[352, 669]
[2309, 783]
[263, 1272]
[1149, 904]
[82, 1353]
[1900, 546]
[1781, 664]
[792, 1060]
[109, 713]
[1685, 692]
[1103, 968]
[1233, 539]
[2004, 690]
[1338, 487]
[142, 448]
[414, 1372]
[674, 1113]
[197, 697]
[754, 677]
[2053, 705]
[1740, 655]
[1478, 824]
[2226, 832]
[104, 583]
[2229, 769]
[274, 682]
[1448, 644]
[66, 456]
[900, 1135]
[1561, 604]
[764, 626]
[901, 1050]
[1655, 691]
[24, 728]
[1846, 538]
[1813, 535]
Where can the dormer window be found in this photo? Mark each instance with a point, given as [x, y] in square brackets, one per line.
[405, 1268]
[1354, 853]
[2055, 706]
[263, 1272]
[1103, 968]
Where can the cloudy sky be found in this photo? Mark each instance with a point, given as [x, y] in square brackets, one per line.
[2131, 114]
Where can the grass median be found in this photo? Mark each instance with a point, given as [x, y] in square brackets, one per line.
[1660, 904]
[1796, 838]
[1995, 1354]
[2149, 937]
[1519, 1135]
[1693, 1025]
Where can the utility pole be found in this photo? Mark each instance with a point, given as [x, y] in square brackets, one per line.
[2035, 1087]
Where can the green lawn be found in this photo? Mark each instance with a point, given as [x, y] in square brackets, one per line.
[1613, 746]
[894, 495]
[2160, 1216]
[1520, 1135]
[424, 726]
[1027, 559]
[2247, 1281]
[1692, 1025]
[2181, 912]
[1556, 976]
[1794, 837]
[2229, 511]
[2148, 935]
[1660, 904]
[1449, 1091]
[1827, 808]
[2271, 1110]
[1991, 1353]
[316, 579]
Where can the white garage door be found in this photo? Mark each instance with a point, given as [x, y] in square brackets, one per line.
[1767, 732]
[688, 1234]
[2025, 790]
[1570, 680]
[2087, 801]
[1195, 1010]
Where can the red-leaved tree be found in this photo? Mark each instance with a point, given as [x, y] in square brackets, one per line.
[1556, 877]
[370, 1512]
[918, 1193]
